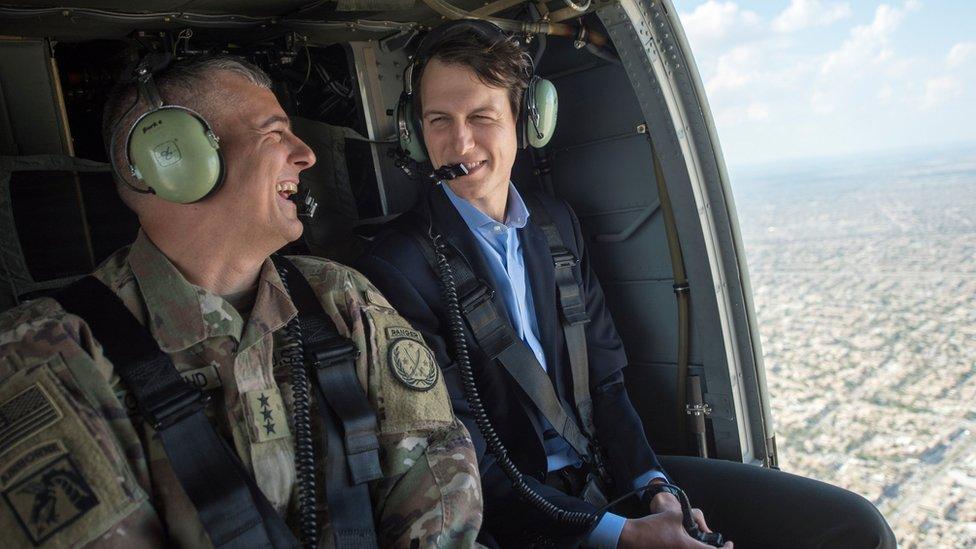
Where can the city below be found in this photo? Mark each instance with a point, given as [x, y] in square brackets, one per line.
[864, 276]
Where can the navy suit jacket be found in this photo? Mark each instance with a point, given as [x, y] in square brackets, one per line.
[395, 264]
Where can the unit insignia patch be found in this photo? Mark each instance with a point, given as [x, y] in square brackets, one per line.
[50, 499]
[411, 362]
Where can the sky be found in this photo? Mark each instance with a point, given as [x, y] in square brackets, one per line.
[802, 79]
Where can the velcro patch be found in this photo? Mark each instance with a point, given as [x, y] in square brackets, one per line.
[412, 363]
[266, 414]
[30, 458]
[50, 499]
[24, 414]
[398, 332]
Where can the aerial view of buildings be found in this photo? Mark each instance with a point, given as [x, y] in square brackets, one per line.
[864, 274]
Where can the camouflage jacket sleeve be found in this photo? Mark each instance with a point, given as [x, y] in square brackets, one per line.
[430, 493]
[72, 471]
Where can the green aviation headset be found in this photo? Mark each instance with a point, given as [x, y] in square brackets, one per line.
[536, 120]
[170, 149]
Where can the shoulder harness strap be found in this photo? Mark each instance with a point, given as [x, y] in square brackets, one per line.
[496, 338]
[352, 445]
[572, 307]
[231, 507]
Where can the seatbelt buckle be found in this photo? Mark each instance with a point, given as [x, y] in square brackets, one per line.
[331, 352]
[563, 259]
[182, 401]
[476, 297]
[321, 349]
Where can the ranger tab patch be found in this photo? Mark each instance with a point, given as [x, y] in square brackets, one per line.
[50, 499]
[410, 361]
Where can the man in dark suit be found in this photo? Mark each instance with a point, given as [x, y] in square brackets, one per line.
[468, 90]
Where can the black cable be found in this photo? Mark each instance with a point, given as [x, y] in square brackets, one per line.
[493, 442]
[293, 357]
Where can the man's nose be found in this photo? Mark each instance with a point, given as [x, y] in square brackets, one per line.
[463, 138]
[302, 155]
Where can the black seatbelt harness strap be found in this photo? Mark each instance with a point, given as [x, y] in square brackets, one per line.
[497, 339]
[572, 308]
[230, 505]
[351, 443]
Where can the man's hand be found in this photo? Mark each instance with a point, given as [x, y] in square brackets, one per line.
[666, 501]
[661, 530]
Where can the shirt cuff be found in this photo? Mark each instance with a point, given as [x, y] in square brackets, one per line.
[606, 534]
[647, 477]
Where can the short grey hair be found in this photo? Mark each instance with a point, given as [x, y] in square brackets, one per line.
[186, 82]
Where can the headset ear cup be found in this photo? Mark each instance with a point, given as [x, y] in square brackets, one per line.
[176, 154]
[546, 99]
[409, 130]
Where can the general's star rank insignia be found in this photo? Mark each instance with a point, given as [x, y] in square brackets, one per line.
[412, 364]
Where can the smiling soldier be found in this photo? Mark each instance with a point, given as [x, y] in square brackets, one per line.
[103, 442]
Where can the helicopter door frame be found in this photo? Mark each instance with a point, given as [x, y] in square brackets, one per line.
[655, 54]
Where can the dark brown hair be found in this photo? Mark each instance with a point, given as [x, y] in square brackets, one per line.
[499, 62]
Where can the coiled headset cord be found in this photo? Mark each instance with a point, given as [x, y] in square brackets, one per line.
[449, 294]
[293, 356]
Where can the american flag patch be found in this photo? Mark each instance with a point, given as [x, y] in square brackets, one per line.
[26, 413]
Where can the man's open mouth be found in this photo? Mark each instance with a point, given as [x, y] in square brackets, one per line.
[473, 166]
[286, 189]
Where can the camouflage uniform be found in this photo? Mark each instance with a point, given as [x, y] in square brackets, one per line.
[77, 468]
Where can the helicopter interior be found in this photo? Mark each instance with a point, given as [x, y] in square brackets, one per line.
[634, 153]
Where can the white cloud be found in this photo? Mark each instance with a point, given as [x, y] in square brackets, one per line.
[801, 14]
[960, 54]
[735, 69]
[868, 44]
[713, 23]
[939, 90]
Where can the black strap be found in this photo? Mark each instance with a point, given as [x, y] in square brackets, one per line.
[497, 339]
[572, 308]
[230, 505]
[352, 451]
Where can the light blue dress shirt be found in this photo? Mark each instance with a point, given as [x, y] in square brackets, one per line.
[501, 247]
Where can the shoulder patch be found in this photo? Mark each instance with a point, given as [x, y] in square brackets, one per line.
[63, 478]
[50, 499]
[412, 363]
[24, 414]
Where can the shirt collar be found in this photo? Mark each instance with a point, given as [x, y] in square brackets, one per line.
[180, 314]
[516, 213]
